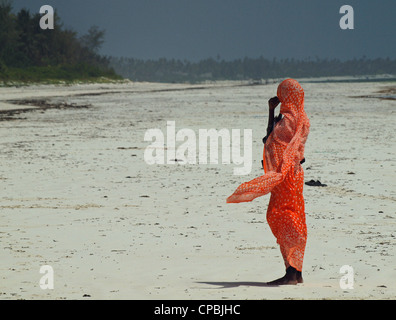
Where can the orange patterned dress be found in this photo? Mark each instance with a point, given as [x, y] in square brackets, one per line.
[284, 176]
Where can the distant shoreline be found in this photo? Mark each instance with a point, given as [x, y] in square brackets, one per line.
[106, 80]
[28, 97]
[351, 79]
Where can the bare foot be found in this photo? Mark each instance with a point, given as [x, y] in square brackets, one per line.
[282, 281]
[292, 277]
[299, 277]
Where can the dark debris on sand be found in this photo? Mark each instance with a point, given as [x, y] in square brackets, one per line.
[316, 183]
[36, 104]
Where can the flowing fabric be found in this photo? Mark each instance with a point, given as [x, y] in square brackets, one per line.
[284, 176]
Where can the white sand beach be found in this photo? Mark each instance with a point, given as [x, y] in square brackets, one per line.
[77, 194]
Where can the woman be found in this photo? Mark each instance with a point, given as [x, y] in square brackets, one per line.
[284, 178]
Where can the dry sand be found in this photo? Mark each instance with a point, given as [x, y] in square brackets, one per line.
[76, 194]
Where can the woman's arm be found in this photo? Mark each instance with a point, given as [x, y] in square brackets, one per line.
[272, 104]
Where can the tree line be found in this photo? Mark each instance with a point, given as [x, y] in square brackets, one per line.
[171, 70]
[29, 53]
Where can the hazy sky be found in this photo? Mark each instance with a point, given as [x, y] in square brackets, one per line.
[198, 29]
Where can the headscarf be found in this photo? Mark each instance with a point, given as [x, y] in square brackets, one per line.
[284, 148]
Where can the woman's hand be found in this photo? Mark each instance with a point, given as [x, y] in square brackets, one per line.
[273, 103]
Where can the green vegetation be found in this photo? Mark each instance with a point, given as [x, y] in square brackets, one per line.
[30, 54]
[58, 74]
